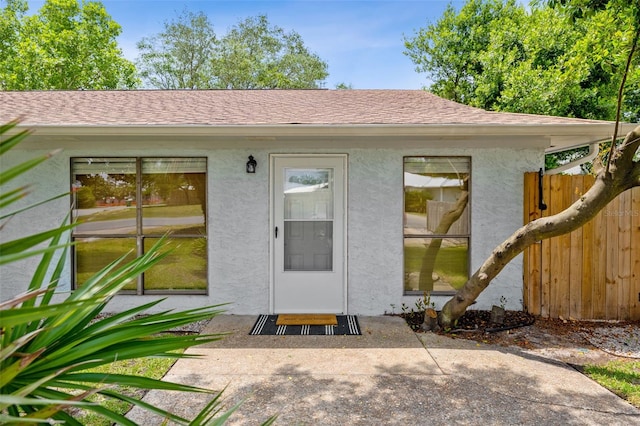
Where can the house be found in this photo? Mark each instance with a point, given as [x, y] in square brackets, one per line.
[282, 200]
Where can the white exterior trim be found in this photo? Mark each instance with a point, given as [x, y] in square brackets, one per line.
[552, 137]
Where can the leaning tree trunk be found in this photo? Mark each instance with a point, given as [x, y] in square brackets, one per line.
[429, 258]
[623, 173]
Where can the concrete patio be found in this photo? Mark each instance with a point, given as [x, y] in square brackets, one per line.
[389, 375]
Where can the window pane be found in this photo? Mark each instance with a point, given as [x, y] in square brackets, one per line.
[104, 195]
[174, 196]
[308, 194]
[436, 196]
[437, 165]
[112, 195]
[308, 246]
[184, 269]
[435, 264]
[93, 254]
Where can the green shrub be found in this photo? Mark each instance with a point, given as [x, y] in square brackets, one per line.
[46, 347]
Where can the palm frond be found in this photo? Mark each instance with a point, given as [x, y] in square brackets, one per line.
[20, 169]
[25, 192]
[47, 347]
[12, 140]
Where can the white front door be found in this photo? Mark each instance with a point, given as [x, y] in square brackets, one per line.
[309, 261]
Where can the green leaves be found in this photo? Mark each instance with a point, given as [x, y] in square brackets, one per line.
[252, 55]
[497, 55]
[449, 50]
[268, 58]
[47, 345]
[66, 45]
[180, 56]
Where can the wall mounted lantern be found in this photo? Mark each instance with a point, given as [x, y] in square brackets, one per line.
[251, 165]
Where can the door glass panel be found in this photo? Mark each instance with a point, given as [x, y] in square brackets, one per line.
[308, 219]
[308, 246]
[308, 194]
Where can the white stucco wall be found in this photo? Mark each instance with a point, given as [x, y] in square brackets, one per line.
[497, 211]
[44, 182]
[239, 230]
[375, 223]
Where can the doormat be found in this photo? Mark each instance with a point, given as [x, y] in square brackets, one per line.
[266, 326]
[306, 319]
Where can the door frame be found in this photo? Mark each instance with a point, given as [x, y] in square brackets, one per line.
[272, 242]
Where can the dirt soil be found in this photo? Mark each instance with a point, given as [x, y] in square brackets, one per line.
[574, 342]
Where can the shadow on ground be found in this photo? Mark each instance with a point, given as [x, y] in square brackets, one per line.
[388, 376]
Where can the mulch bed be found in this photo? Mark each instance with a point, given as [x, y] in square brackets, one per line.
[480, 321]
[477, 321]
[614, 339]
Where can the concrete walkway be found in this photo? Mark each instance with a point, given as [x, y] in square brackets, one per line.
[387, 376]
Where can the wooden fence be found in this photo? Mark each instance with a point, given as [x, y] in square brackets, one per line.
[591, 273]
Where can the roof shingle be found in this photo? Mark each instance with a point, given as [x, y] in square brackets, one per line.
[250, 107]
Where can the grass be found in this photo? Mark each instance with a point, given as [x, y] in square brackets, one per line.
[621, 377]
[184, 268]
[95, 255]
[149, 367]
[451, 263]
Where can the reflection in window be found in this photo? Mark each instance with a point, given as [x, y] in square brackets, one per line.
[186, 266]
[93, 254]
[308, 194]
[436, 223]
[124, 205]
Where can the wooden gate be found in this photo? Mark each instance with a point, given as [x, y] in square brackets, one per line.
[591, 273]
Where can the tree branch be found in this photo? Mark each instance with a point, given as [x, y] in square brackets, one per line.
[634, 46]
[429, 258]
[622, 176]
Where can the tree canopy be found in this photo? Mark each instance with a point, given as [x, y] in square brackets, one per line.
[252, 55]
[499, 55]
[65, 45]
[180, 56]
[622, 169]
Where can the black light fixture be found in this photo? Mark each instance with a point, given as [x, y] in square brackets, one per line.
[251, 165]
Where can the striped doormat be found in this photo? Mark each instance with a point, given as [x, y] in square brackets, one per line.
[266, 326]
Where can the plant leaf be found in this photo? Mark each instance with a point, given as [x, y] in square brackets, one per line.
[17, 170]
[12, 140]
[22, 244]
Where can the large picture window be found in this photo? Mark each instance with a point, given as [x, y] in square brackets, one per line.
[436, 223]
[124, 205]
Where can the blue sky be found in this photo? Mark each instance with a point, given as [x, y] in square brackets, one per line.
[361, 40]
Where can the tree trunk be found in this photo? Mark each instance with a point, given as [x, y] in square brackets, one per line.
[622, 174]
[199, 182]
[429, 259]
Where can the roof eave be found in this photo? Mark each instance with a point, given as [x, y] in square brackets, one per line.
[588, 130]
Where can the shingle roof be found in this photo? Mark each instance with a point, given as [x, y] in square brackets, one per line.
[250, 107]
